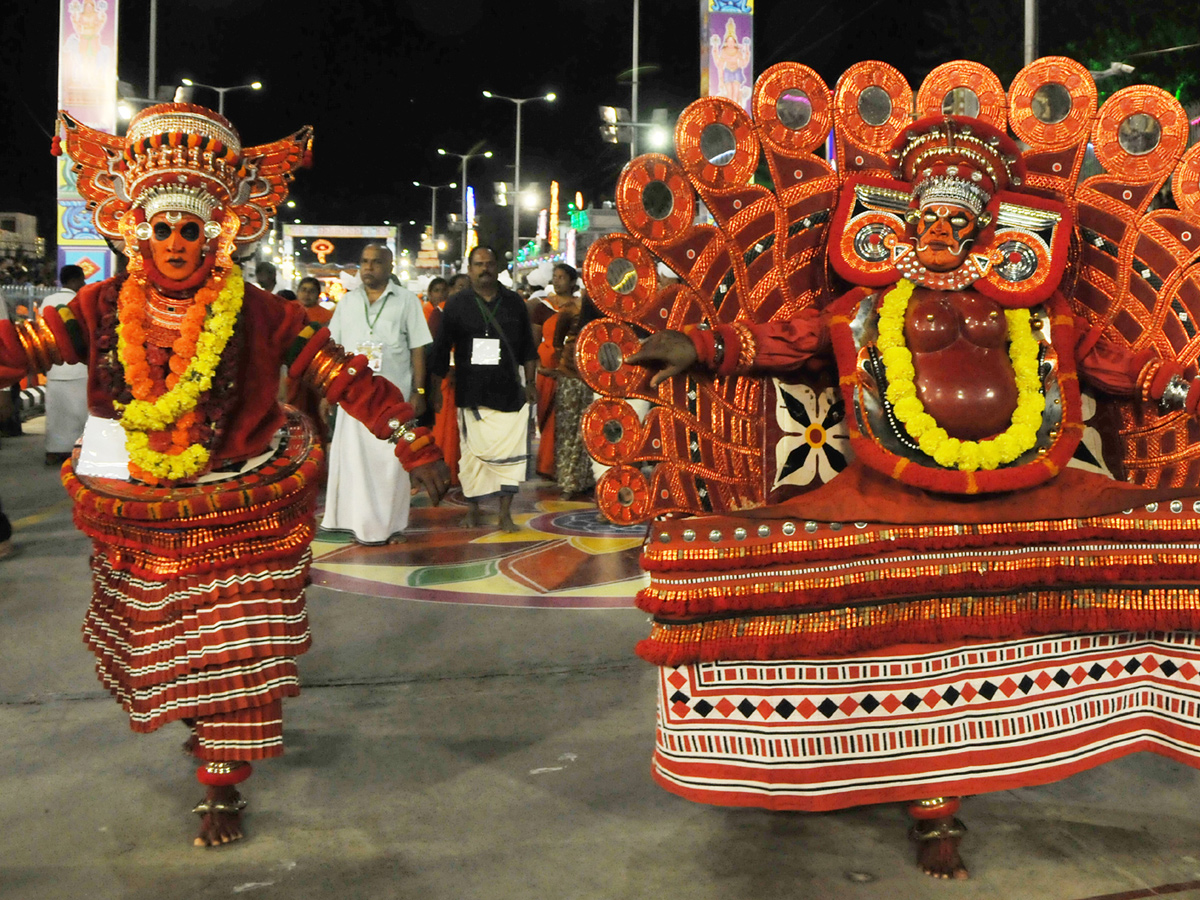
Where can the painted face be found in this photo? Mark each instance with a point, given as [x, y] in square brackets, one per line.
[944, 232]
[177, 244]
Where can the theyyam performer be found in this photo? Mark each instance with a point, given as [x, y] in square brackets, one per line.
[197, 488]
[925, 515]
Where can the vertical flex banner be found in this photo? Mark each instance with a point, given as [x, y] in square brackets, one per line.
[727, 50]
[87, 89]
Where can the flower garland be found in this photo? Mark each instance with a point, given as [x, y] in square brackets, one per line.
[968, 456]
[164, 432]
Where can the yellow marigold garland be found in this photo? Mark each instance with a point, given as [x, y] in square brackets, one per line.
[141, 416]
[968, 456]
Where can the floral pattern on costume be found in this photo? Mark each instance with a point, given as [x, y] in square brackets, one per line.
[815, 445]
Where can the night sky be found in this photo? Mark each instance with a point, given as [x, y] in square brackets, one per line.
[386, 83]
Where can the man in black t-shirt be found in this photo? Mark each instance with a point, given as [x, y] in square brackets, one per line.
[487, 329]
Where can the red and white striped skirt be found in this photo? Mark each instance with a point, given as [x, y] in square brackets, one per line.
[197, 607]
[909, 722]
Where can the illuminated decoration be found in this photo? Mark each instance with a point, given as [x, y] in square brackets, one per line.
[87, 78]
[427, 258]
[554, 214]
[579, 216]
[472, 234]
[322, 247]
[386, 233]
[543, 221]
[335, 291]
[578, 200]
[727, 50]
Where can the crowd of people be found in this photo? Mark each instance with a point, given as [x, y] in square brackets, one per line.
[402, 336]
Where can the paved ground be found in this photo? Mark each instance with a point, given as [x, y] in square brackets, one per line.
[450, 750]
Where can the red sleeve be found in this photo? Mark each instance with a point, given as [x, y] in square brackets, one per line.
[765, 347]
[1112, 367]
[349, 382]
[14, 364]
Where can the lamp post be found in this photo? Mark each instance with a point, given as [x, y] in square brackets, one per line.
[518, 102]
[222, 91]
[433, 189]
[464, 157]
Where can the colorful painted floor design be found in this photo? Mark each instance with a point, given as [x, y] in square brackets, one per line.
[566, 555]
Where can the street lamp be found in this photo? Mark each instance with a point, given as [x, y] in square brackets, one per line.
[464, 157]
[518, 102]
[222, 91]
[433, 189]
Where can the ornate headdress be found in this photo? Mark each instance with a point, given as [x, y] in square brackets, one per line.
[183, 158]
[957, 160]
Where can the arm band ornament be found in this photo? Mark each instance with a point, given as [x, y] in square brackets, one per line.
[41, 349]
[726, 349]
[347, 380]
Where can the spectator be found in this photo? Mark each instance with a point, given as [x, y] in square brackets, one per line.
[66, 385]
[264, 274]
[308, 293]
[543, 316]
[367, 495]
[487, 330]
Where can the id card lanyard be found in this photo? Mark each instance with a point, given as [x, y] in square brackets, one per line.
[371, 323]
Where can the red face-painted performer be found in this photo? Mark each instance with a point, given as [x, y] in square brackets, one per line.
[924, 510]
[202, 534]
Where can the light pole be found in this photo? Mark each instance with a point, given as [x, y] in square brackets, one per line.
[222, 91]
[518, 102]
[464, 157]
[433, 189]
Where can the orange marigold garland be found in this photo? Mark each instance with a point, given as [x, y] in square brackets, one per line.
[164, 432]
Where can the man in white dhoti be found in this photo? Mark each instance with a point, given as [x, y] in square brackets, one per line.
[487, 328]
[66, 386]
[366, 494]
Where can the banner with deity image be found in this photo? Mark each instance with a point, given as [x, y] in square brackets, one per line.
[87, 89]
[727, 50]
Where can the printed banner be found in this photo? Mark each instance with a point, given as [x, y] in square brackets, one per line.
[727, 50]
[87, 89]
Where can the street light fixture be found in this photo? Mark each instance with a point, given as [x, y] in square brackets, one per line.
[222, 91]
[433, 189]
[464, 157]
[518, 102]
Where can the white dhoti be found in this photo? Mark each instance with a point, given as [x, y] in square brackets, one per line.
[66, 413]
[494, 447]
[368, 492]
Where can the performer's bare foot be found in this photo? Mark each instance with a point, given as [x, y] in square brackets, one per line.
[506, 522]
[220, 817]
[937, 847]
[472, 519]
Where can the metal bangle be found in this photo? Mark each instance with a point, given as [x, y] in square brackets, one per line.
[401, 431]
[1174, 395]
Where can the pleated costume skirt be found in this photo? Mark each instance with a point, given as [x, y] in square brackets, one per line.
[809, 665]
[197, 607]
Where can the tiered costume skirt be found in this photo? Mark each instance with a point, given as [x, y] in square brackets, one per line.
[819, 665]
[197, 607]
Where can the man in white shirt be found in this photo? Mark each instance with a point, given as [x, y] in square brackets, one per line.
[367, 493]
[66, 386]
